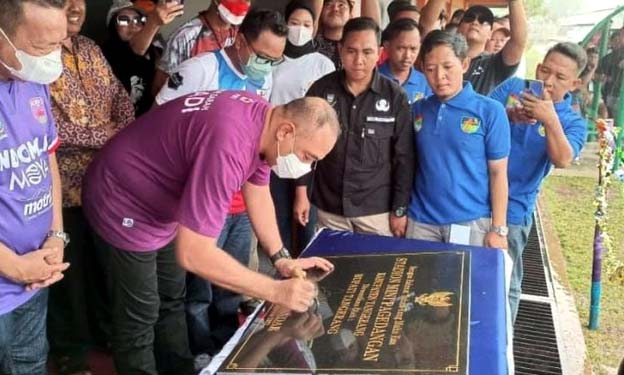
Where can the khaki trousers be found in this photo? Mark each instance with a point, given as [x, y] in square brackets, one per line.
[373, 224]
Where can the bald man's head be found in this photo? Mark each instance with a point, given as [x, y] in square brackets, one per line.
[310, 114]
[308, 127]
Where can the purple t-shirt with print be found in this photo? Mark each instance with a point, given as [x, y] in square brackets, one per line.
[179, 163]
[27, 138]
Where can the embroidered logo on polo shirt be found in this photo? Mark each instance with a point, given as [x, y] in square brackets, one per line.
[3, 133]
[331, 99]
[37, 108]
[477, 71]
[418, 121]
[470, 125]
[541, 130]
[513, 101]
[175, 80]
[382, 105]
[418, 96]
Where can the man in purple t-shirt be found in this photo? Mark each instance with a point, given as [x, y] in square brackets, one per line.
[31, 225]
[172, 174]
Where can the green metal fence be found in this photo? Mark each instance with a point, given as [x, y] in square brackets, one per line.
[604, 28]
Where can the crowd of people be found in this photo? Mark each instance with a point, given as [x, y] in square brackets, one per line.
[139, 179]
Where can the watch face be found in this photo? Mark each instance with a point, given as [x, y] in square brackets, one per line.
[501, 231]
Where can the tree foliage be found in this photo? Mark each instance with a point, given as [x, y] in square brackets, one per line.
[536, 8]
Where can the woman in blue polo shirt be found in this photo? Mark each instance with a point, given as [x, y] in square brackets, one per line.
[462, 143]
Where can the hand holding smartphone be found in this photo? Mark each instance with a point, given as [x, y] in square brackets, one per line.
[534, 87]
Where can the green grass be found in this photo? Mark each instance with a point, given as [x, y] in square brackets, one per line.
[569, 202]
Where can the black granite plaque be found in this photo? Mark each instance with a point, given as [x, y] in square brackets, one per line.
[377, 314]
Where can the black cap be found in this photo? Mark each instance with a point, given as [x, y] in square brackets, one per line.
[400, 6]
[483, 12]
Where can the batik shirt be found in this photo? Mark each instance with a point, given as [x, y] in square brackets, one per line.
[90, 105]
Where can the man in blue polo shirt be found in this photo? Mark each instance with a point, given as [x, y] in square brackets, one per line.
[401, 40]
[462, 143]
[545, 131]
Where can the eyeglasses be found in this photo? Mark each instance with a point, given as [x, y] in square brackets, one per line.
[263, 60]
[268, 60]
[123, 20]
[481, 18]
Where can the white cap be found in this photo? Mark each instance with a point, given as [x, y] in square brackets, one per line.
[120, 5]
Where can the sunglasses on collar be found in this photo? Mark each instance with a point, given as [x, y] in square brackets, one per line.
[124, 20]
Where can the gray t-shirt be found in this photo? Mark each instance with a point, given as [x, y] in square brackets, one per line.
[487, 71]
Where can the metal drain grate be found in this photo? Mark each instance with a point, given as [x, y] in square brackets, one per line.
[536, 350]
[535, 340]
[534, 280]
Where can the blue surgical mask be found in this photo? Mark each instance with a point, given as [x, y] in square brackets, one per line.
[38, 69]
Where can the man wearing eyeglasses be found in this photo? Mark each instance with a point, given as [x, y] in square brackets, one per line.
[486, 71]
[247, 65]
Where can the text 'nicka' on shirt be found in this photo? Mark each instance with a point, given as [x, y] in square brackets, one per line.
[529, 163]
[455, 140]
[180, 163]
[27, 138]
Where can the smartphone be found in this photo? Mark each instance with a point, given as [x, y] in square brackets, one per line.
[534, 87]
[316, 274]
[181, 2]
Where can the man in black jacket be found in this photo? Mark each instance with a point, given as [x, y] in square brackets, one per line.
[365, 182]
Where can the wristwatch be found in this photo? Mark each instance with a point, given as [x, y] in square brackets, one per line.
[502, 230]
[58, 234]
[400, 211]
[281, 254]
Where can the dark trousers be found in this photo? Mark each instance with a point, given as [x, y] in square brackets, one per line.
[211, 311]
[149, 334]
[78, 313]
[283, 193]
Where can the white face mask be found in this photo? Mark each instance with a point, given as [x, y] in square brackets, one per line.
[289, 166]
[299, 35]
[38, 69]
